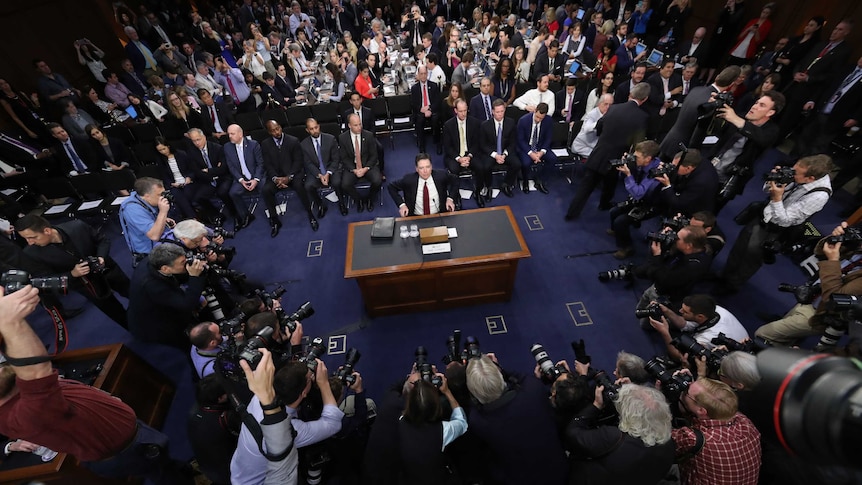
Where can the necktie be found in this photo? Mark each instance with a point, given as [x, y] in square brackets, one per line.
[426, 202]
[148, 55]
[487, 107]
[76, 160]
[845, 85]
[534, 138]
[241, 155]
[206, 158]
[359, 114]
[213, 114]
[499, 138]
[685, 88]
[462, 139]
[232, 90]
[356, 151]
[424, 95]
[825, 50]
[319, 157]
[551, 66]
[568, 108]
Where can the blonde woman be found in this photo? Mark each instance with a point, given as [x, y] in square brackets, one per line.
[180, 112]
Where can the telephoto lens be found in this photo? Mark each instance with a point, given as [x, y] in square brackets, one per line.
[550, 372]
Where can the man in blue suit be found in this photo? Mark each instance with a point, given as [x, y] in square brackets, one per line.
[481, 105]
[245, 162]
[534, 147]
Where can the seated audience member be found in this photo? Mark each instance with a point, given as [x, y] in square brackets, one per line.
[76, 120]
[284, 166]
[244, 160]
[322, 166]
[587, 138]
[358, 154]
[480, 105]
[144, 216]
[532, 98]
[567, 100]
[424, 190]
[180, 175]
[208, 160]
[642, 191]
[533, 140]
[73, 154]
[638, 450]
[113, 152]
[497, 148]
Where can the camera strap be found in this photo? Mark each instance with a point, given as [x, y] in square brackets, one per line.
[254, 428]
[699, 441]
[25, 361]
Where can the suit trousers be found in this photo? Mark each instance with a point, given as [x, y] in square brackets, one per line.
[791, 328]
[349, 181]
[746, 257]
[237, 192]
[312, 185]
[101, 290]
[222, 190]
[420, 122]
[485, 165]
[537, 171]
[296, 184]
[590, 181]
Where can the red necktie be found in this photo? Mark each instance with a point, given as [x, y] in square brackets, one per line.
[212, 114]
[825, 50]
[426, 202]
[424, 95]
[232, 90]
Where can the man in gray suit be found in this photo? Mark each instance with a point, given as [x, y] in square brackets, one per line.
[685, 129]
[459, 74]
[245, 162]
[322, 166]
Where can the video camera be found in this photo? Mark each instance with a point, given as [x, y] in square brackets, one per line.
[676, 223]
[666, 239]
[709, 108]
[671, 385]
[804, 294]
[316, 350]
[16, 279]
[626, 160]
[781, 176]
[663, 169]
[345, 373]
[623, 273]
[850, 240]
[424, 368]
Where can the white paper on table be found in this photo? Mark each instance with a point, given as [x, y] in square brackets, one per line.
[58, 209]
[119, 200]
[495, 193]
[436, 248]
[90, 204]
[560, 152]
[380, 123]
[453, 232]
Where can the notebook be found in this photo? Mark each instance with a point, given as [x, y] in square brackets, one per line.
[383, 228]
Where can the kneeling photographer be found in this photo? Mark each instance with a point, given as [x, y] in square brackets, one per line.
[804, 319]
[165, 296]
[641, 188]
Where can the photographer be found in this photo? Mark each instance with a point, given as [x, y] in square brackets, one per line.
[285, 343]
[569, 392]
[160, 310]
[700, 317]
[207, 342]
[804, 320]
[144, 216]
[691, 187]
[68, 417]
[348, 446]
[193, 236]
[641, 189]
[631, 367]
[213, 427]
[638, 450]
[674, 271]
[79, 252]
[290, 386]
[515, 425]
[720, 445]
[715, 239]
[781, 221]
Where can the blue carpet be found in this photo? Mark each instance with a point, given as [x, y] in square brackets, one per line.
[557, 296]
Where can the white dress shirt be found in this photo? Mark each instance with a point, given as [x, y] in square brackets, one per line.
[534, 97]
[433, 196]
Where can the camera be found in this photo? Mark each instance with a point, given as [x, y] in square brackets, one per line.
[471, 348]
[626, 160]
[232, 326]
[94, 264]
[735, 184]
[851, 239]
[665, 239]
[686, 344]
[345, 373]
[169, 196]
[653, 310]
[663, 169]
[316, 350]
[749, 346]
[849, 305]
[267, 298]
[770, 249]
[676, 223]
[224, 272]
[550, 372]
[227, 251]
[191, 256]
[16, 279]
[672, 385]
[611, 390]
[624, 272]
[220, 231]
[781, 176]
[289, 321]
[710, 107]
[804, 294]
[251, 350]
[424, 368]
[453, 348]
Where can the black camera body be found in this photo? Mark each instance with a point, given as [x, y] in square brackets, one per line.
[626, 160]
[663, 169]
[316, 349]
[851, 239]
[94, 264]
[672, 385]
[665, 238]
[611, 390]
[781, 176]
[250, 352]
[686, 344]
[804, 294]
[192, 255]
[345, 373]
[453, 348]
[169, 196]
[289, 321]
[676, 223]
[624, 273]
[550, 371]
[16, 279]
[709, 108]
[653, 310]
[749, 346]
[424, 368]
[220, 231]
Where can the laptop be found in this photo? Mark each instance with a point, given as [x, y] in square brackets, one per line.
[655, 58]
[640, 48]
[574, 67]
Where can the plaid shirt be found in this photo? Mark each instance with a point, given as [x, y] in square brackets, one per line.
[797, 206]
[730, 453]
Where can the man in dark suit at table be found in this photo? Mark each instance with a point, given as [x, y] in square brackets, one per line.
[367, 116]
[497, 148]
[245, 164]
[424, 190]
[550, 63]
[460, 144]
[216, 116]
[210, 166]
[322, 166]
[425, 98]
[621, 127]
[533, 136]
[621, 93]
[358, 154]
[285, 169]
[284, 87]
[480, 105]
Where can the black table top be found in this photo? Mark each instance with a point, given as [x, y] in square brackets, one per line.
[482, 232]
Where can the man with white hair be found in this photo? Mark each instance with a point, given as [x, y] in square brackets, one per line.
[588, 137]
[140, 54]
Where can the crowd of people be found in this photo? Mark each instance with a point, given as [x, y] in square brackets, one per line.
[682, 131]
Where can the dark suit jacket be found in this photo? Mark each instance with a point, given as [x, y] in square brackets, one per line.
[451, 142]
[759, 139]
[447, 187]
[699, 52]
[477, 109]
[621, 92]
[686, 122]
[118, 149]
[253, 160]
[215, 153]
[656, 94]
[411, 32]
[136, 56]
[524, 131]
[694, 192]
[85, 153]
[540, 67]
[328, 152]
[80, 240]
[433, 97]
[285, 90]
[224, 114]
[367, 119]
[128, 81]
[368, 150]
[560, 104]
[620, 128]
[488, 137]
[283, 161]
[848, 107]
[825, 68]
[184, 164]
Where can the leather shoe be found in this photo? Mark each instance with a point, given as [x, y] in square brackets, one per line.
[275, 225]
[507, 189]
[480, 201]
[321, 211]
[360, 205]
[369, 205]
[624, 253]
[525, 186]
[343, 209]
[489, 194]
[243, 223]
[541, 187]
[314, 224]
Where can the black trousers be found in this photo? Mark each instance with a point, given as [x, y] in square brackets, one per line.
[746, 257]
[591, 180]
[349, 181]
[99, 289]
[296, 184]
[312, 184]
[421, 121]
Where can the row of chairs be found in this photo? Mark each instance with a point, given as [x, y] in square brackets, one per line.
[89, 194]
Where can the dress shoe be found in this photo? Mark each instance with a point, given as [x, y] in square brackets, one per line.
[489, 194]
[541, 187]
[507, 189]
[369, 205]
[525, 186]
[480, 201]
[624, 253]
[343, 209]
[321, 211]
[610, 232]
[314, 224]
[360, 205]
[275, 226]
[243, 223]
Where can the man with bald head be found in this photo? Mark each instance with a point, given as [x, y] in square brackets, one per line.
[694, 49]
[587, 137]
[245, 163]
[425, 98]
[284, 167]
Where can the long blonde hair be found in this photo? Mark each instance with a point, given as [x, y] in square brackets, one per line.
[182, 111]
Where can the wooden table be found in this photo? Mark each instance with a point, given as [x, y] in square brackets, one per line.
[395, 277]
